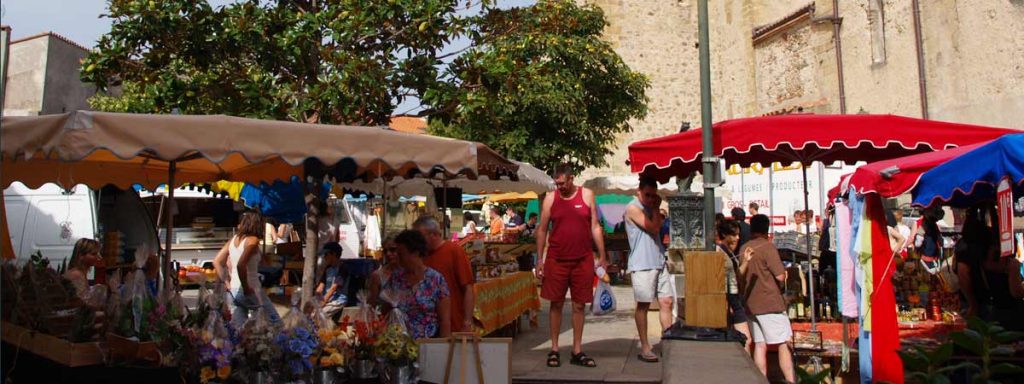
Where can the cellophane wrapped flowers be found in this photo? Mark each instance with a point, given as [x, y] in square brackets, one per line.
[214, 348]
[297, 344]
[336, 343]
[257, 350]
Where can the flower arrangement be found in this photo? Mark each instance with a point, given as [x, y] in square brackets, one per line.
[366, 334]
[335, 343]
[214, 355]
[396, 347]
[297, 346]
[257, 350]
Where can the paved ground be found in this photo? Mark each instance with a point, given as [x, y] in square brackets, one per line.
[611, 340]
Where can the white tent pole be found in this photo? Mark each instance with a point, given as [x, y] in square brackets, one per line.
[807, 236]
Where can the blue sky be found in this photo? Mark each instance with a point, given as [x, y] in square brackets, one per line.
[80, 21]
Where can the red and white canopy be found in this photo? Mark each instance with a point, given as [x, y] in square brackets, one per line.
[804, 138]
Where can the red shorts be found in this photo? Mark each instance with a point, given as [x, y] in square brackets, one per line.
[574, 275]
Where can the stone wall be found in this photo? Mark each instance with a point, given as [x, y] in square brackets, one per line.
[654, 38]
[65, 91]
[43, 77]
[26, 73]
[974, 60]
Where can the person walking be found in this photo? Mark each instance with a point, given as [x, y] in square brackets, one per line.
[237, 265]
[740, 217]
[451, 261]
[762, 278]
[567, 259]
[646, 266]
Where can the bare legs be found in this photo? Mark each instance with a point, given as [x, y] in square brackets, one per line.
[744, 328]
[641, 326]
[785, 360]
[555, 317]
[761, 357]
[665, 312]
[578, 318]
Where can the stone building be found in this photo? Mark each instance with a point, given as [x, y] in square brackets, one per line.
[43, 76]
[780, 56]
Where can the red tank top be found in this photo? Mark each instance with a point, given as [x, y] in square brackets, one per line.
[571, 236]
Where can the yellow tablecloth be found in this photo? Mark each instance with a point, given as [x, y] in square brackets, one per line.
[501, 300]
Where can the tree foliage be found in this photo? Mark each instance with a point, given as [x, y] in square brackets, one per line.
[343, 61]
[536, 83]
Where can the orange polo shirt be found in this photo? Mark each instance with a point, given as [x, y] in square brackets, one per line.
[451, 261]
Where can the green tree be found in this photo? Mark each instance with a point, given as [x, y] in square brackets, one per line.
[536, 83]
[341, 61]
[539, 84]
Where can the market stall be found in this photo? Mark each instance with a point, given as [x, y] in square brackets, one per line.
[129, 321]
[928, 304]
[806, 139]
[504, 292]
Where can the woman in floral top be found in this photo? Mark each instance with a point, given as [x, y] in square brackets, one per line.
[422, 294]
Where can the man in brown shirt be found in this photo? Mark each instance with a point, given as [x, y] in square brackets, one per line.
[763, 274]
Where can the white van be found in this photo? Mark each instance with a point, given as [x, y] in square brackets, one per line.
[348, 230]
[50, 220]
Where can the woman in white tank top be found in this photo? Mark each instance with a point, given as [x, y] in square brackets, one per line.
[237, 266]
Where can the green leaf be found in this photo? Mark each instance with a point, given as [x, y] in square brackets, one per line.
[942, 354]
[1006, 369]
[1008, 336]
[969, 340]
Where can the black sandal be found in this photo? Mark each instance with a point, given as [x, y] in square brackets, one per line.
[554, 359]
[581, 359]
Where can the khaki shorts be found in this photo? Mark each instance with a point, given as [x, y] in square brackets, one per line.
[771, 329]
[651, 284]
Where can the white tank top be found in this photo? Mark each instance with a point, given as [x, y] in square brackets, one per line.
[234, 254]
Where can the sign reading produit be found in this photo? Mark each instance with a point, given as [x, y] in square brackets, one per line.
[1004, 201]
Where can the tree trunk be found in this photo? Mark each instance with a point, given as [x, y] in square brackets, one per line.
[314, 178]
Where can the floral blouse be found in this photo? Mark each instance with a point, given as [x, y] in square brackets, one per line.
[419, 303]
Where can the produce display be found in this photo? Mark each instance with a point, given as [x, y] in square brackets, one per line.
[920, 296]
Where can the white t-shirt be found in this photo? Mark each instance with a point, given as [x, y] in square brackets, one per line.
[467, 226]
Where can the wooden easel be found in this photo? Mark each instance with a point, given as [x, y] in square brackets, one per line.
[463, 338]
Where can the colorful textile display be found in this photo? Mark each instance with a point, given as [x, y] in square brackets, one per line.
[501, 300]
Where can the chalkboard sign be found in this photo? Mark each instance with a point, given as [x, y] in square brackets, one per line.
[686, 214]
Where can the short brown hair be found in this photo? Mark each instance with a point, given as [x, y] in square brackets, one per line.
[251, 223]
[563, 169]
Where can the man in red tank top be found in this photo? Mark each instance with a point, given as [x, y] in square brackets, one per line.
[567, 258]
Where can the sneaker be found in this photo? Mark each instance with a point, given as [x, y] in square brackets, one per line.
[931, 264]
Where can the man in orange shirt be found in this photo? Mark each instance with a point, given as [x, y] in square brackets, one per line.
[451, 261]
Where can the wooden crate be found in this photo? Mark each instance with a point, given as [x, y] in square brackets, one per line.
[51, 347]
[706, 304]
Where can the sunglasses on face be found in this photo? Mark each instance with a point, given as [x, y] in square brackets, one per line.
[391, 249]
